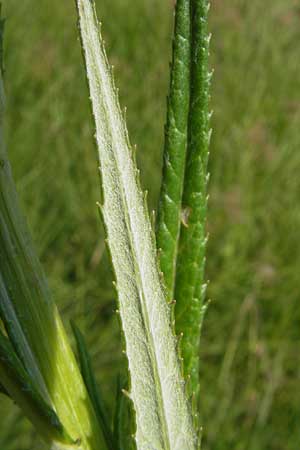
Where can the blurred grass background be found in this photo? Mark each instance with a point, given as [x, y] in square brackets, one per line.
[251, 337]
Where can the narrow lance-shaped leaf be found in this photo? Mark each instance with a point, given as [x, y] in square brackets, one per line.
[7, 313]
[124, 418]
[31, 318]
[162, 412]
[189, 289]
[169, 211]
[92, 388]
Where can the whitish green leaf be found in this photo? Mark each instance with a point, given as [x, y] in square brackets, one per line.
[163, 417]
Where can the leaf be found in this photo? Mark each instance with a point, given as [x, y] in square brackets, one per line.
[124, 420]
[163, 417]
[31, 318]
[3, 390]
[92, 388]
[18, 339]
[170, 204]
[189, 289]
[18, 385]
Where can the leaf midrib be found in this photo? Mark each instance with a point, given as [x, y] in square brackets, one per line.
[145, 315]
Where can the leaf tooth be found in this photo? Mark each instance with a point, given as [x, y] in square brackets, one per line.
[145, 194]
[127, 394]
[210, 76]
[153, 219]
[178, 341]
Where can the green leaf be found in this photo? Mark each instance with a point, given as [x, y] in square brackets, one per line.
[169, 211]
[17, 336]
[92, 388]
[3, 390]
[17, 383]
[124, 420]
[189, 289]
[31, 318]
[163, 416]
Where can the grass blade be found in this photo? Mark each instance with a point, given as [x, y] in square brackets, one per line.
[189, 290]
[157, 390]
[169, 211]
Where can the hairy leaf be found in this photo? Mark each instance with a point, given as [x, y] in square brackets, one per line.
[170, 204]
[163, 417]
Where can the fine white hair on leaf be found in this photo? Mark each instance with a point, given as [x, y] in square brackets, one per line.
[163, 417]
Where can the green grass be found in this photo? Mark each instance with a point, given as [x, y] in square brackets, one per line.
[250, 369]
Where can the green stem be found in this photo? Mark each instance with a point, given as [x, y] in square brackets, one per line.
[169, 211]
[189, 289]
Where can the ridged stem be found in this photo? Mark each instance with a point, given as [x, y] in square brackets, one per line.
[189, 289]
[175, 148]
